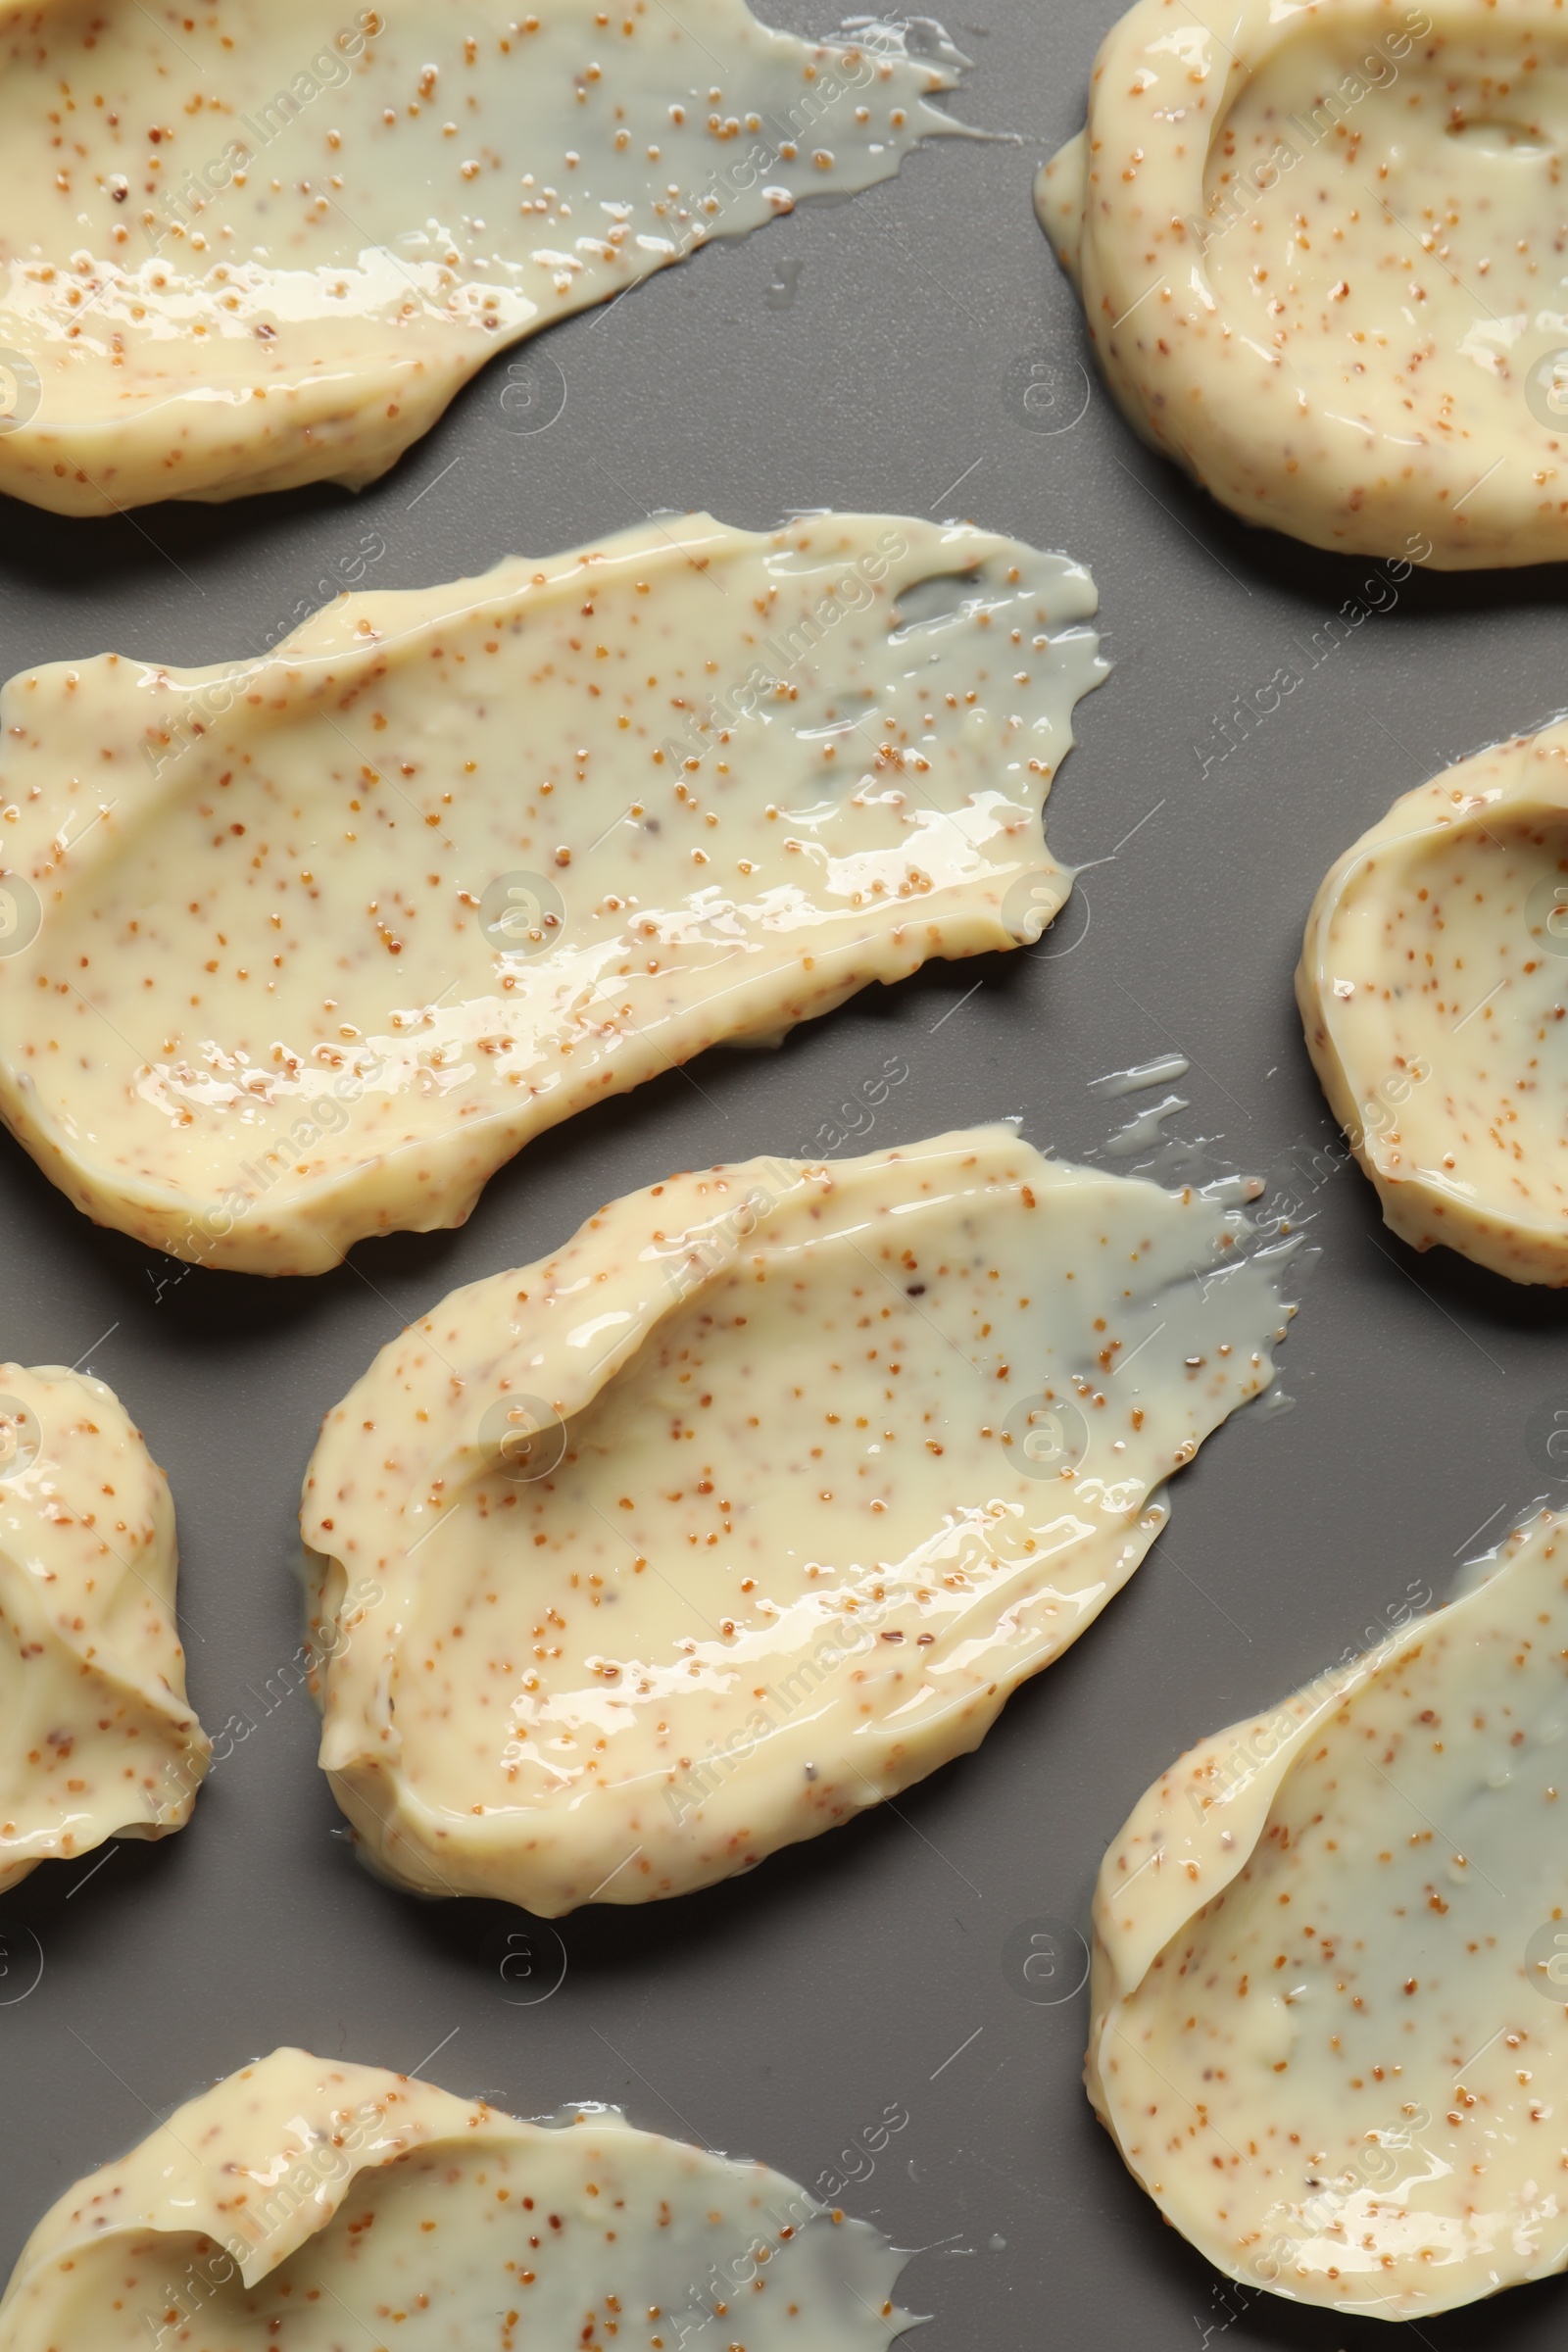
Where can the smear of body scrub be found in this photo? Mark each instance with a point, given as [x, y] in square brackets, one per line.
[1319, 253]
[311, 2206]
[1434, 990]
[753, 1503]
[303, 949]
[1330, 1990]
[97, 1738]
[254, 245]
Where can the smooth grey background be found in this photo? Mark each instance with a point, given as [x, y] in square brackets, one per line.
[780, 2014]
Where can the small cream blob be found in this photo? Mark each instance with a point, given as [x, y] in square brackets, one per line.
[753, 1503]
[1433, 986]
[97, 1738]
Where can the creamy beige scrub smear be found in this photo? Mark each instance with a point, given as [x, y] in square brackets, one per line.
[1330, 1989]
[1320, 252]
[97, 1738]
[310, 2207]
[1433, 986]
[260, 244]
[753, 1503]
[300, 948]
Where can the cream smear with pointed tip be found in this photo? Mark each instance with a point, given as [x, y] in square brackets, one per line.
[1433, 988]
[97, 1738]
[1320, 256]
[253, 246]
[304, 948]
[310, 2206]
[753, 1503]
[1330, 1989]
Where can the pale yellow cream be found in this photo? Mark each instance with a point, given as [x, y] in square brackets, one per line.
[753, 1503]
[1330, 1988]
[1320, 251]
[97, 1738]
[249, 247]
[1434, 990]
[318, 2206]
[302, 949]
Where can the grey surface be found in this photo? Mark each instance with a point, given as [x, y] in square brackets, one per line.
[779, 2015]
